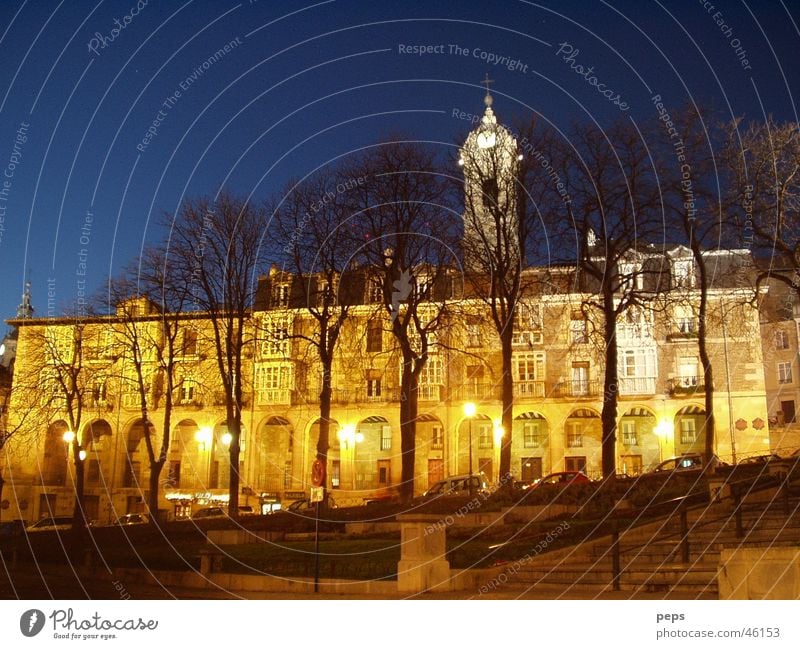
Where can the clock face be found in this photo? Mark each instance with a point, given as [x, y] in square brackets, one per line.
[486, 140]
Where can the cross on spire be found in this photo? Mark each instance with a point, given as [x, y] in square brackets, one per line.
[488, 98]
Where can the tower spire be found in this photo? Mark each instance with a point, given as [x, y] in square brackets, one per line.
[25, 309]
[488, 99]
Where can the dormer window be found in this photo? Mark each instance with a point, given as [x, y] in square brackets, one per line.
[683, 273]
[281, 295]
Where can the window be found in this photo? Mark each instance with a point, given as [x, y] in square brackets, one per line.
[336, 473]
[490, 192]
[630, 277]
[785, 372]
[531, 434]
[373, 388]
[386, 438]
[273, 383]
[574, 434]
[281, 295]
[629, 363]
[174, 474]
[189, 343]
[375, 336]
[781, 340]
[688, 431]
[683, 273]
[685, 321]
[437, 437]
[527, 324]
[631, 465]
[529, 367]
[375, 292]
[287, 475]
[473, 325]
[188, 391]
[575, 463]
[579, 331]
[485, 437]
[99, 392]
[132, 472]
[687, 371]
[276, 341]
[629, 433]
[580, 378]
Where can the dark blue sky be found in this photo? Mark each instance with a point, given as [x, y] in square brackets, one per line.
[302, 83]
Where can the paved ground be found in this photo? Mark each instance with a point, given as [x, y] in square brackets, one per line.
[27, 582]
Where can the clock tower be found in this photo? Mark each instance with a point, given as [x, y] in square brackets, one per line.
[490, 162]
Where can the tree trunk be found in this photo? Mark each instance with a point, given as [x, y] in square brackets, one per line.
[79, 522]
[235, 429]
[408, 418]
[608, 416]
[152, 498]
[708, 428]
[2, 484]
[507, 419]
[324, 440]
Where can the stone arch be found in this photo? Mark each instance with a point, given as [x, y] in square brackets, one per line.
[531, 441]
[688, 427]
[637, 441]
[273, 454]
[583, 442]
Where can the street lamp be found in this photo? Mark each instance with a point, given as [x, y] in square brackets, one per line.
[663, 431]
[348, 436]
[469, 413]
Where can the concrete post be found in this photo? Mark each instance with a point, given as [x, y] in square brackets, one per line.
[422, 566]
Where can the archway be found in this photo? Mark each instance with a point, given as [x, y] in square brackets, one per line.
[429, 451]
[96, 440]
[688, 425]
[137, 463]
[639, 445]
[582, 442]
[531, 444]
[273, 455]
[476, 442]
[371, 448]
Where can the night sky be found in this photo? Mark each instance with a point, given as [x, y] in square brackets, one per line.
[105, 125]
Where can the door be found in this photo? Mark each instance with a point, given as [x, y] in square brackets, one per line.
[384, 473]
[580, 378]
[91, 507]
[531, 468]
[47, 505]
[435, 472]
[631, 465]
[575, 463]
[787, 407]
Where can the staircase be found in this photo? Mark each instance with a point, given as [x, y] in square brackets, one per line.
[653, 557]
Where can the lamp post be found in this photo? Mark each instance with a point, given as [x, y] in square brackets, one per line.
[204, 437]
[499, 433]
[469, 413]
[663, 430]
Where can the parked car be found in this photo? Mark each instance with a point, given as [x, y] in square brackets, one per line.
[562, 478]
[209, 512]
[459, 485]
[388, 495]
[246, 510]
[50, 523]
[760, 459]
[305, 506]
[131, 519]
[686, 462]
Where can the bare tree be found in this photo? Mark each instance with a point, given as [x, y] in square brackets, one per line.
[215, 250]
[763, 165]
[613, 215]
[508, 182]
[406, 231]
[153, 334]
[317, 249]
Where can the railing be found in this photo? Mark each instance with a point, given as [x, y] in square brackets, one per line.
[686, 386]
[477, 392]
[274, 395]
[429, 392]
[529, 389]
[576, 389]
[637, 385]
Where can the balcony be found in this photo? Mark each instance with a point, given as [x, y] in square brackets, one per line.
[477, 392]
[576, 389]
[529, 389]
[686, 386]
[429, 392]
[270, 396]
[629, 385]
